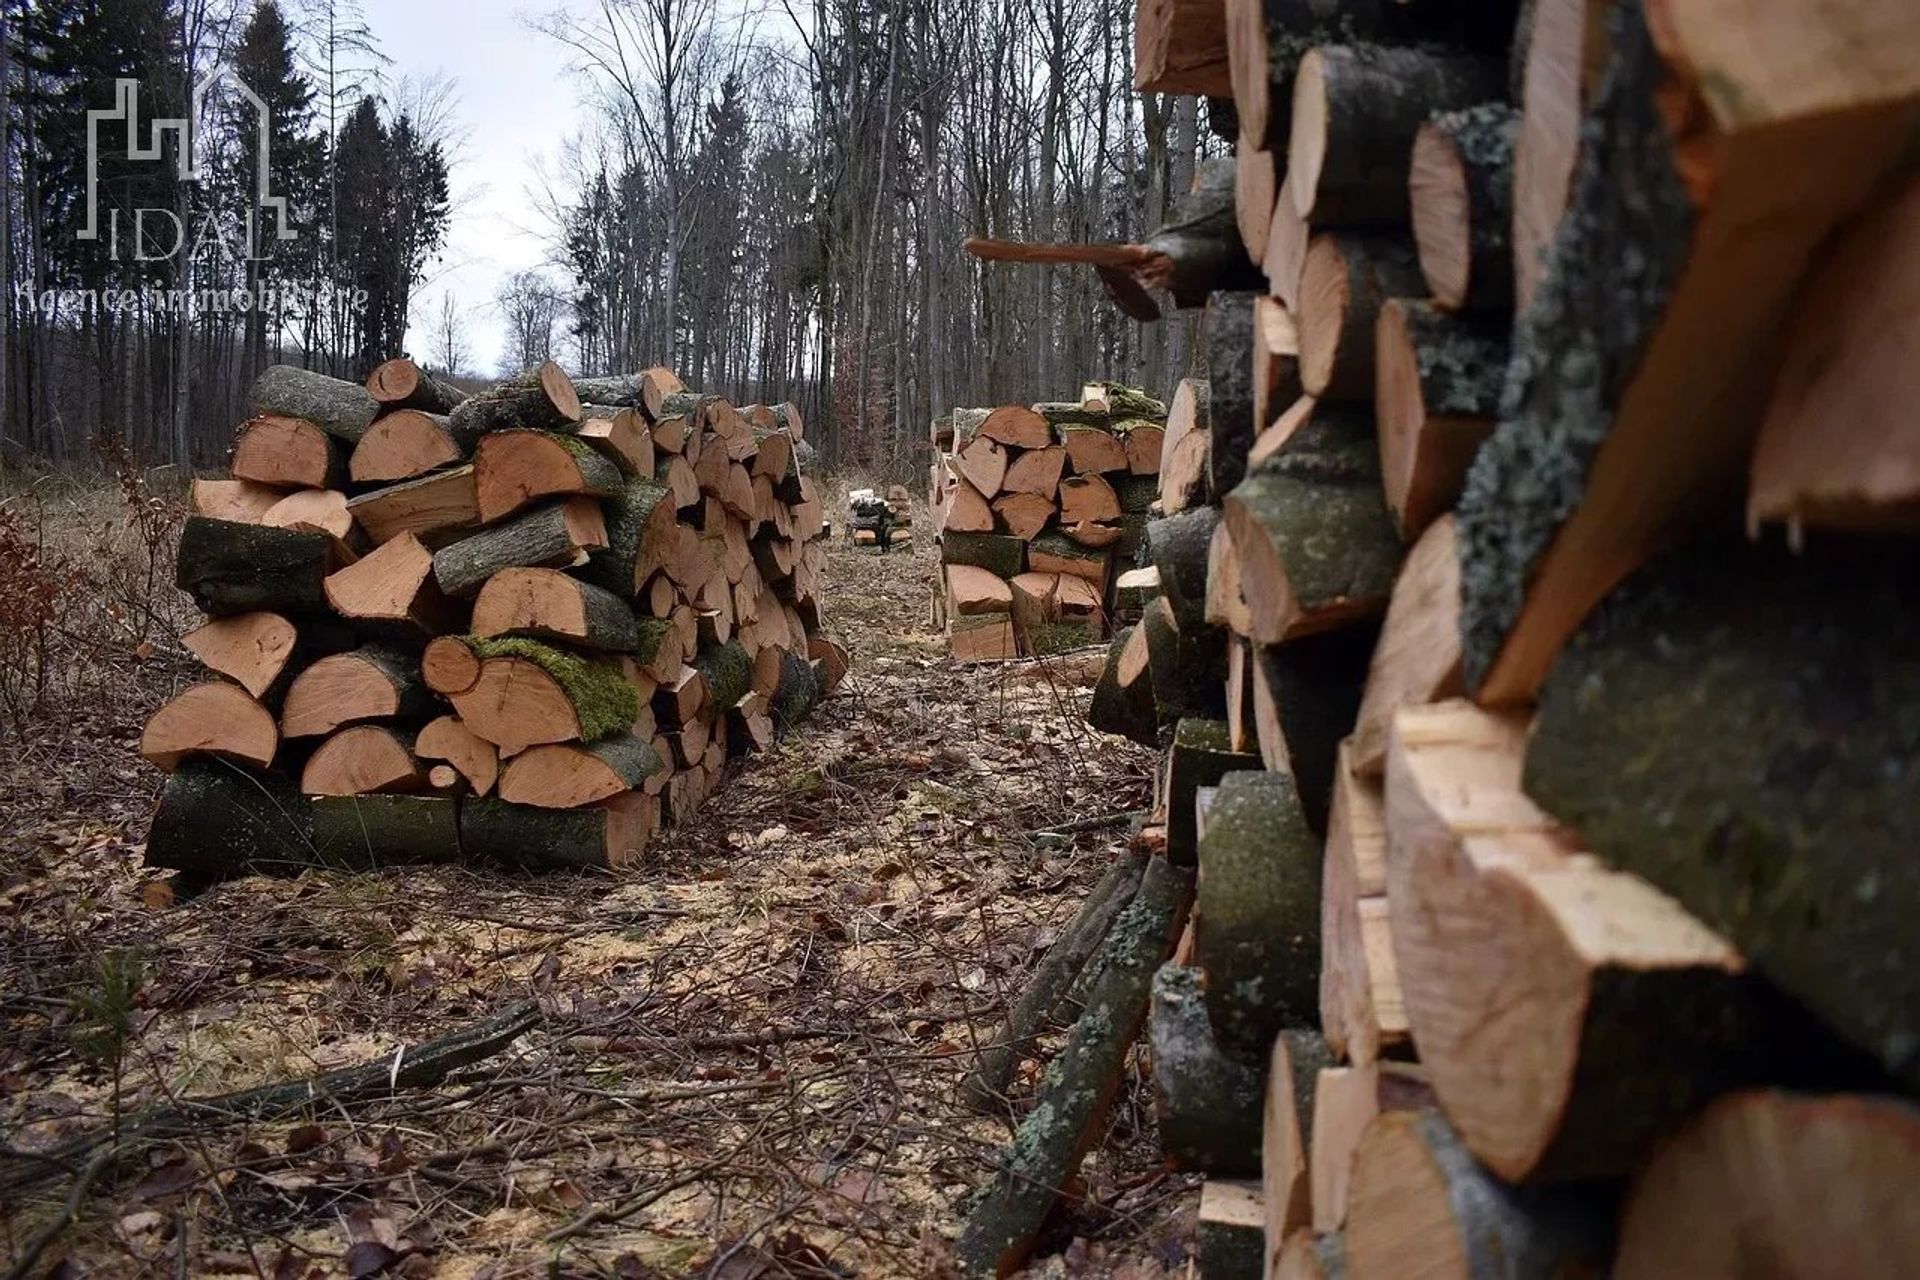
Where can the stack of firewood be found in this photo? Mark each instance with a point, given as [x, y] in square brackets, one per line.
[1039, 510]
[1549, 814]
[527, 625]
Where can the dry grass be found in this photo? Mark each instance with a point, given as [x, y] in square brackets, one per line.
[750, 1048]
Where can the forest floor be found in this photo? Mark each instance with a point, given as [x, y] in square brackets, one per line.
[748, 1051]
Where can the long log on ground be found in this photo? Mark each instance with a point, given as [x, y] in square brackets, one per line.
[527, 693]
[608, 835]
[1363, 1011]
[1437, 389]
[287, 452]
[1586, 477]
[1305, 696]
[1201, 755]
[1356, 111]
[1123, 701]
[1065, 1119]
[1712, 673]
[1256, 910]
[367, 832]
[1227, 331]
[438, 508]
[1460, 189]
[215, 719]
[542, 398]
[1180, 46]
[1835, 451]
[556, 535]
[1295, 1065]
[549, 605]
[1417, 660]
[1206, 1101]
[217, 819]
[370, 683]
[1188, 669]
[1417, 1193]
[1346, 279]
[985, 1087]
[1794, 1185]
[401, 384]
[341, 409]
[1345, 1101]
[1317, 547]
[240, 568]
[1483, 886]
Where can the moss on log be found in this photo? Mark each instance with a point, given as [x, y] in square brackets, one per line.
[603, 699]
[728, 671]
[228, 567]
[1202, 754]
[1742, 728]
[797, 694]
[1257, 914]
[1034, 1172]
[1207, 1102]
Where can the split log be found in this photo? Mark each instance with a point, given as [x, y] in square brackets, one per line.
[640, 533]
[1054, 552]
[527, 693]
[1047, 1150]
[1317, 547]
[1201, 755]
[1678, 339]
[1036, 472]
[1226, 607]
[1564, 46]
[291, 453]
[1183, 452]
[1306, 694]
[982, 462]
[1206, 1102]
[549, 605]
[541, 399]
[343, 410]
[1046, 990]
[1295, 1064]
[1227, 332]
[1093, 449]
[1345, 1101]
[1460, 188]
[1418, 658]
[401, 384]
[1276, 370]
[985, 637]
[241, 501]
[1123, 701]
[1797, 1186]
[1257, 913]
[1024, 515]
[1286, 257]
[393, 586]
[1229, 1235]
[214, 719]
[1188, 670]
[1356, 111]
[968, 510]
[1088, 499]
[405, 444]
[622, 438]
[1437, 389]
[1255, 184]
[559, 534]
[249, 648]
[972, 590]
[1363, 1011]
[569, 775]
[1145, 444]
[472, 756]
[608, 835]
[370, 683]
[1180, 46]
[1416, 1193]
[1309, 1256]
[242, 568]
[361, 759]
[437, 508]
[1834, 450]
[1015, 426]
[1000, 555]
[513, 467]
[1283, 428]
[1347, 278]
[1711, 673]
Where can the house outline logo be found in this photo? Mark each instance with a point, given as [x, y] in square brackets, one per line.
[190, 164]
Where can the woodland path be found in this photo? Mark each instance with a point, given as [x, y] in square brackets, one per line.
[748, 1051]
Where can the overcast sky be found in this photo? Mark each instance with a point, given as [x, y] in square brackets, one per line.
[517, 103]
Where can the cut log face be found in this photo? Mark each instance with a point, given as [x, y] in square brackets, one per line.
[623, 439]
[1254, 184]
[214, 719]
[1418, 658]
[1460, 187]
[1091, 450]
[552, 605]
[1183, 452]
[972, 590]
[1145, 445]
[402, 445]
[569, 775]
[401, 382]
[967, 510]
[394, 583]
[1822, 1184]
[241, 501]
[513, 468]
[435, 508]
[518, 702]
[1017, 427]
[363, 759]
[1180, 46]
[1296, 1063]
[1362, 1008]
[345, 687]
[449, 665]
[1346, 280]
[1089, 498]
[1036, 471]
[541, 399]
[251, 648]
[1560, 43]
[290, 452]
[315, 510]
[1024, 514]
[1437, 389]
[983, 462]
[470, 755]
[1286, 256]
[1345, 1101]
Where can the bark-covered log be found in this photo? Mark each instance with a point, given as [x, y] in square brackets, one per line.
[640, 529]
[550, 605]
[1179, 547]
[797, 694]
[401, 384]
[1054, 552]
[1122, 701]
[607, 835]
[1307, 696]
[1294, 1067]
[1356, 111]
[1316, 544]
[1347, 278]
[366, 832]
[342, 409]
[1460, 188]
[237, 568]
[1231, 424]
[728, 671]
[1004, 556]
[542, 399]
[217, 819]
[1011, 1209]
[1202, 754]
[557, 534]
[1047, 987]
[1742, 728]
[1437, 388]
[1206, 1101]
[1199, 253]
[1188, 669]
[1229, 1238]
[1257, 913]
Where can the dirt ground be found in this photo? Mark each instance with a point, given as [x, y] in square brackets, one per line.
[747, 1051]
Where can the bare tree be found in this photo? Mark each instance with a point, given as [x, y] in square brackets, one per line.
[530, 306]
[449, 347]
